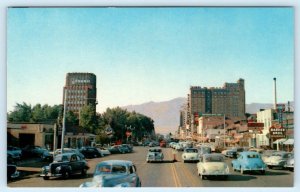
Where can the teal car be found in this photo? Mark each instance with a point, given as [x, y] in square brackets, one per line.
[249, 161]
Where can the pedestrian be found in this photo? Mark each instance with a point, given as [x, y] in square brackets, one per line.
[174, 152]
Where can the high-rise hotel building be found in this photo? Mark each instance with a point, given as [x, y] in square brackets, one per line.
[80, 90]
[228, 100]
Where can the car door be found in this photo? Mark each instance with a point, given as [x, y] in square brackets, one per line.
[133, 178]
[75, 163]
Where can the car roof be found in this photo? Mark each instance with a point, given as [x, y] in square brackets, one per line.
[119, 162]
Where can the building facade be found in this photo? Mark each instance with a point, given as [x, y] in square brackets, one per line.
[80, 90]
[228, 100]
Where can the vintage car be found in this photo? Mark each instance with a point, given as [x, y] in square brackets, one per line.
[69, 150]
[290, 163]
[204, 150]
[212, 165]
[114, 173]
[266, 154]
[64, 165]
[154, 155]
[117, 149]
[249, 161]
[278, 159]
[104, 151]
[190, 154]
[91, 152]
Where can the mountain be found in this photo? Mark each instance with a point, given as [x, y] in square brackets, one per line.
[166, 114]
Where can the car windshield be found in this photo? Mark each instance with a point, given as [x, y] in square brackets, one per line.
[110, 169]
[216, 158]
[191, 150]
[61, 158]
[154, 150]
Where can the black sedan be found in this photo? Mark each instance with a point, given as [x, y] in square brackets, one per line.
[91, 152]
[64, 165]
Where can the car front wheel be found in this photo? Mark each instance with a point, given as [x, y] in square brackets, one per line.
[46, 178]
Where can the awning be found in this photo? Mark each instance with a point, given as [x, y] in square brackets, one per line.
[279, 141]
[289, 142]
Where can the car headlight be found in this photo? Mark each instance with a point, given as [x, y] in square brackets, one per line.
[57, 169]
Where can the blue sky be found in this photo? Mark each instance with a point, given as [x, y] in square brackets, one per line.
[149, 54]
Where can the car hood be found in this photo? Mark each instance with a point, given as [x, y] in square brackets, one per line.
[108, 180]
[275, 158]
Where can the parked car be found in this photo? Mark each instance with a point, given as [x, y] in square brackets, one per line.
[36, 151]
[90, 152]
[278, 159]
[104, 151]
[12, 172]
[190, 154]
[266, 154]
[249, 161]
[129, 148]
[116, 149]
[114, 173]
[212, 165]
[69, 150]
[15, 152]
[155, 155]
[290, 163]
[64, 165]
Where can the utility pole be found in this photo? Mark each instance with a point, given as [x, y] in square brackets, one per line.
[64, 122]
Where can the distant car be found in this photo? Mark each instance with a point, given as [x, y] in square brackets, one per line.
[117, 149]
[64, 165]
[91, 152]
[278, 159]
[15, 152]
[190, 154]
[249, 161]
[12, 172]
[129, 148]
[204, 150]
[104, 151]
[290, 163]
[178, 147]
[36, 151]
[266, 154]
[69, 150]
[114, 173]
[155, 155]
[212, 165]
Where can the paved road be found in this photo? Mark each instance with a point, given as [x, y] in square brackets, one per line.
[166, 174]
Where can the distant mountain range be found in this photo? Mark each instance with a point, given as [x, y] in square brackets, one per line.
[166, 114]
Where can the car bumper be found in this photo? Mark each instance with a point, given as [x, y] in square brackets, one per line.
[15, 175]
[51, 175]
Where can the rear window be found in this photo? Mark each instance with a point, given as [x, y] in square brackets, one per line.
[191, 150]
[252, 156]
[214, 159]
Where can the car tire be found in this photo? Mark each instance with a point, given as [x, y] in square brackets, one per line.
[83, 172]
[242, 170]
[202, 177]
[262, 172]
[46, 178]
[184, 161]
[66, 175]
[270, 167]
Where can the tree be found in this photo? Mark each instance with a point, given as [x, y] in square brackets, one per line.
[87, 118]
[71, 119]
[21, 113]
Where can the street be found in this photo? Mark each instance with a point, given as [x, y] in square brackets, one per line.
[165, 174]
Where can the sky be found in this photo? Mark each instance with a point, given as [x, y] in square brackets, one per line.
[149, 54]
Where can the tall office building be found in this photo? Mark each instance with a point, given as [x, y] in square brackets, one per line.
[80, 90]
[228, 100]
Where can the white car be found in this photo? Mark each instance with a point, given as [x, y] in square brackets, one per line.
[190, 154]
[212, 165]
[104, 151]
[155, 155]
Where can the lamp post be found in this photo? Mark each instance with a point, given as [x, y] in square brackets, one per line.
[64, 121]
